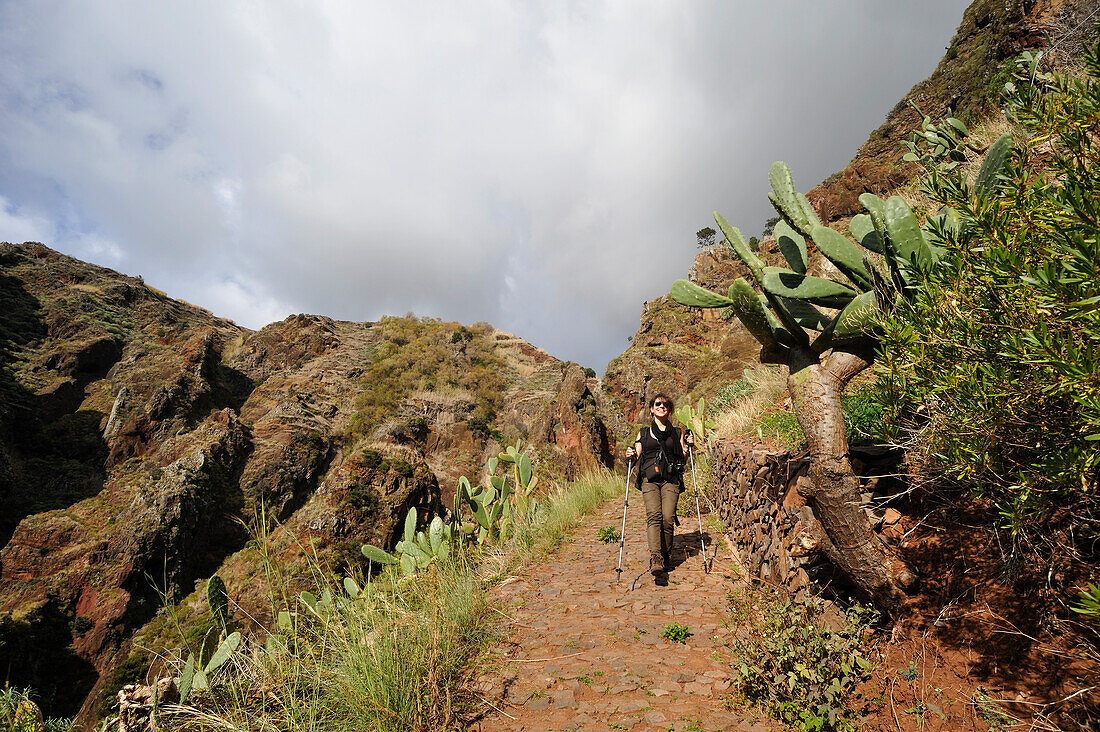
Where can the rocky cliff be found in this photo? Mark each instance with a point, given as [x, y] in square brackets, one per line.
[144, 442]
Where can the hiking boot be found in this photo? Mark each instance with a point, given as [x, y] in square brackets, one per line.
[656, 565]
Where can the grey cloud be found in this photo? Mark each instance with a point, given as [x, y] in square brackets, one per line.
[539, 166]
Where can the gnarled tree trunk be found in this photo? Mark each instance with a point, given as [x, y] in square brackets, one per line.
[816, 388]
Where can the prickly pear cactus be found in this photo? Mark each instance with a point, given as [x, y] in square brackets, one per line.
[793, 309]
[797, 317]
[497, 509]
[695, 420]
[525, 481]
[937, 147]
[416, 549]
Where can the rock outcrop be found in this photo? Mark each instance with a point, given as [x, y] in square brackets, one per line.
[144, 442]
[680, 351]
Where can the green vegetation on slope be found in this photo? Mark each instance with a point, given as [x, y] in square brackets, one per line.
[422, 354]
[994, 368]
[802, 661]
[389, 654]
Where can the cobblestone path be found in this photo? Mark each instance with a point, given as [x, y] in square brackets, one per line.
[586, 652]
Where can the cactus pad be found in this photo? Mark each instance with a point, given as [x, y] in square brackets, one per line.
[692, 295]
[818, 290]
[740, 247]
[750, 311]
[847, 257]
[863, 231]
[793, 246]
[905, 235]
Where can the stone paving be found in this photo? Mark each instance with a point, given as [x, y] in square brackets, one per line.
[586, 652]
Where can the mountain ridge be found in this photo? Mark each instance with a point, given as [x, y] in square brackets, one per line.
[145, 440]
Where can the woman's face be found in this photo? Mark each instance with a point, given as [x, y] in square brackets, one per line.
[659, 409]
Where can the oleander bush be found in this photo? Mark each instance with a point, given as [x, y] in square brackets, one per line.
[992, 371]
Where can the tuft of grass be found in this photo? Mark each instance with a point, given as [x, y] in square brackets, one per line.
[780, 428]
[743, 414]
[563, 508]
[760, 412]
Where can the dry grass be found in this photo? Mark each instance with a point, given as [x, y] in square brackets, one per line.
[770, 385]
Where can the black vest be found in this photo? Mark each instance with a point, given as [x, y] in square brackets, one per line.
[651, 466]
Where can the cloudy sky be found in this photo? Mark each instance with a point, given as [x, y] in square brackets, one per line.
[541, 166]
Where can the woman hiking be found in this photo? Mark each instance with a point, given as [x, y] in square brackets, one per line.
[659, 450]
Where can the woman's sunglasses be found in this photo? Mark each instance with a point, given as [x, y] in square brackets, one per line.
[660, 404]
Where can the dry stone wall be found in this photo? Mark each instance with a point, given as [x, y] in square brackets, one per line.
[756, 495]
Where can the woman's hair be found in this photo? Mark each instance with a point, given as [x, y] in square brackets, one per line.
[665, 399]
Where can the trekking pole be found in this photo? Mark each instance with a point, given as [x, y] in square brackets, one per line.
[622, 534]
[695, 490]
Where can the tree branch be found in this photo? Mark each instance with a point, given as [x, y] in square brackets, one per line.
[847, 361]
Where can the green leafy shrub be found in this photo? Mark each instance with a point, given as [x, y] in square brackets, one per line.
[608, 535]
[480, 427]
[402, 467]
[676, 633]
[800, 669]
[417, 354]
[81, 624]
[993, 370]
[363, 497]
[417, 428]
[371, 458]
[863, 417]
